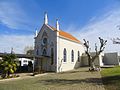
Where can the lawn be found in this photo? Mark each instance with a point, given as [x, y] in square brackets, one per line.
[80, 79]
[111, 78]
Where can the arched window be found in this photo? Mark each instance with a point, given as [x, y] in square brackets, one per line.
[52, 56]
[78, 56]
[44, 52]
[72, 56]
[64, 55]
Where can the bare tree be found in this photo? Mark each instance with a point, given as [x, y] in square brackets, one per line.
[28, 50]
[117, 39]
[91, 59]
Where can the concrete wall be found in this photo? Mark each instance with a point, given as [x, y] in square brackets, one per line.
[98, 61]
[119, 59]
[111, 59]
[84, 61]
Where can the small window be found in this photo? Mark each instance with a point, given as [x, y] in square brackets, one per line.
[72, 56]
[78, 56]
[64, 55]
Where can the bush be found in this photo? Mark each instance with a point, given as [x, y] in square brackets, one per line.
[8, 65]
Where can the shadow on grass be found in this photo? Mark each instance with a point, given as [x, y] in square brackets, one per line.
[73, 72]
[112, 82]
[96, 81]
[111, 79]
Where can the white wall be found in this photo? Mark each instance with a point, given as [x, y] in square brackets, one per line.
[69, 45]
[59, 45]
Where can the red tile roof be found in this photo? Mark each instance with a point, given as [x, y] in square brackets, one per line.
[66, 35]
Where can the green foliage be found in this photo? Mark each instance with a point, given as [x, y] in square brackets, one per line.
[8, 65]
[111, 71]
[111, 78]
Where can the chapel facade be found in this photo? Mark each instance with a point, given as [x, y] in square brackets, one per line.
[59, 50]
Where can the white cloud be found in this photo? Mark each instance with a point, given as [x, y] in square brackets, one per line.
[18, 42]
[103, 26]
[13, 16]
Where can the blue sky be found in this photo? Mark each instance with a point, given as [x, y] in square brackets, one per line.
[82, 18]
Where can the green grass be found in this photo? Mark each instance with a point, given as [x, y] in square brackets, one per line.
[111, 78]
[80, 79]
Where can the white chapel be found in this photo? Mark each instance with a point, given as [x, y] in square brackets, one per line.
[59, 50]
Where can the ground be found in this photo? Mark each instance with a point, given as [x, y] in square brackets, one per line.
[111, 78]
[80, 79]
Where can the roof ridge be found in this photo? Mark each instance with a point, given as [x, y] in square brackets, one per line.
[65, 34]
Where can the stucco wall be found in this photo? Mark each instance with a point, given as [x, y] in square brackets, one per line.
[69, 45]
[59, 45]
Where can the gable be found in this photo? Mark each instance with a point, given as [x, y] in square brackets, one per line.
[44, 31]
[62, 34]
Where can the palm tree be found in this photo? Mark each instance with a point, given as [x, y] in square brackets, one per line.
[8, 65]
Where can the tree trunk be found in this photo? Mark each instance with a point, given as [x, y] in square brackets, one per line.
[89, 62]
[8, 73]
[92, 65]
